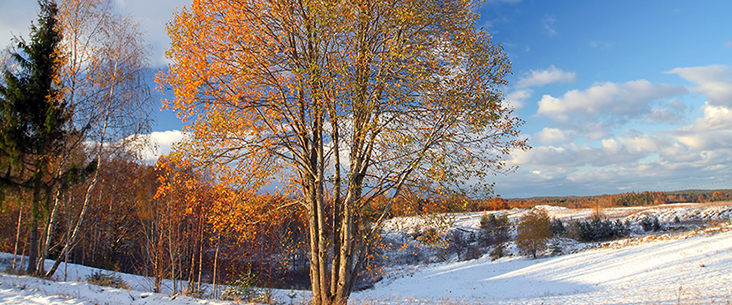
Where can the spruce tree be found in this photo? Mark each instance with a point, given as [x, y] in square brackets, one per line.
[35, 122]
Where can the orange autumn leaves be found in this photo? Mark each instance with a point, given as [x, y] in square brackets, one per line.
[194, 192]
[390, 77]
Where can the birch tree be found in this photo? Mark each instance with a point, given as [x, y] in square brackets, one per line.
[104, 75]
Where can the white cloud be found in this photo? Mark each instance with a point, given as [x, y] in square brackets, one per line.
[569, 156]
[538, 78]
[712, 131]
[677, 105]
[672, 112]
[628, 100]
[660, 115]
[548, 24]
[550, 136]
[636, 162]
[715, 118]
[715, 82]
[613, 158]
[516, 98]
[161, 143]
[611, 145]
[641, 144]
[602, 45]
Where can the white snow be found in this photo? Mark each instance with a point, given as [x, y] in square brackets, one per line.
[693, 270]
[689, 266]
[15, 289]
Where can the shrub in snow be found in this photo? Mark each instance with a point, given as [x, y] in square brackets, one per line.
[597, 229]
[241, 289]
[651, 224]
[533, 231]
[107, 279]
[495, 229]
[472, 252]
[557, 227]
[497, 252]
[431, 237]
[457, 242]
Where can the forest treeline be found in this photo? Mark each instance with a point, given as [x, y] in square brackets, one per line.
[624, 199]
[169, 220]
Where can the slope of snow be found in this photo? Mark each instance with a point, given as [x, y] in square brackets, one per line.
[15, 289]
[29, 290]
[688, 270]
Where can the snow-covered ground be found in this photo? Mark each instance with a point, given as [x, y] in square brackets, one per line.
[693, 270]
[15, 289]
[693, 266]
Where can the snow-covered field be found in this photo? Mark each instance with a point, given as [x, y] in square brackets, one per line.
[693, 270]
[681, 267]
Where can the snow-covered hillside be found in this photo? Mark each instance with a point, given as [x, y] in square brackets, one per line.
[689, 263]
[693, 270]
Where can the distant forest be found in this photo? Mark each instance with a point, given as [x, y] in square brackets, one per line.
[408, 206]
[624, 199]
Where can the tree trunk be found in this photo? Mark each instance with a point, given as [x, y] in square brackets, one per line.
[17, 237]
[74, 235]
[48, 235]
[216, 265]
[36, 214]
[33, 247]
[158, 260]
[200, 257]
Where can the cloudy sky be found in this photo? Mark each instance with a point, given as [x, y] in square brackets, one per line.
[617, 96]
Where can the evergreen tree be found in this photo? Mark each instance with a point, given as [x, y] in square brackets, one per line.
[35, 122]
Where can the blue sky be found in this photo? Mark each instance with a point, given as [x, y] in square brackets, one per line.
[617, 96]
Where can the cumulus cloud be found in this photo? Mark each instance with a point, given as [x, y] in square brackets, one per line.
[714, 82]
[711, 132]
[635, 161]
[630, 99]
[516, 98]
[592, 147]
[161, 143]
[550, 136]
[569, 156]
[672, 112]
[538, 78]
[614, 152]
